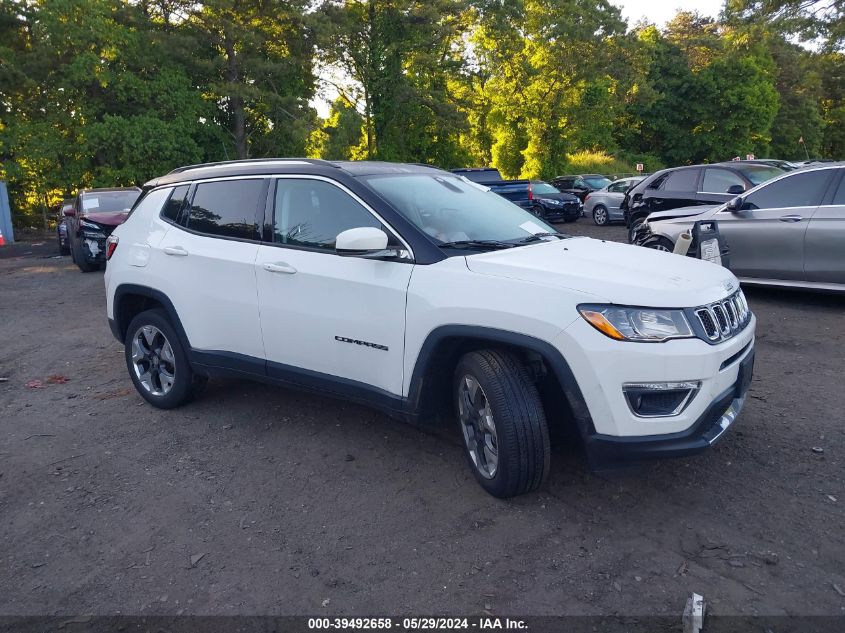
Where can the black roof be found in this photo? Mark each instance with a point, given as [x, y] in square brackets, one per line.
[265, 166]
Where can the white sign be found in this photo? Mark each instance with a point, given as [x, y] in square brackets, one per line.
[640, 166]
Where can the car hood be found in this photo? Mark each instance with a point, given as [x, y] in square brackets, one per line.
[107, 219]
[683, 212]
[611, 272]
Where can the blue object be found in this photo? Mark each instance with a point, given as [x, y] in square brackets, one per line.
[6, 215]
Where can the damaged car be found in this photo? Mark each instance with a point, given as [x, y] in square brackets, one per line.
[91, 218]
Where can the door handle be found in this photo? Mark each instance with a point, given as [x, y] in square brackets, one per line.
[280, 267]
[176, 251]
[790, 218]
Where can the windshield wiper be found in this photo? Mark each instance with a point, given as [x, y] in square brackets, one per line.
[536, 237]
[476, 243]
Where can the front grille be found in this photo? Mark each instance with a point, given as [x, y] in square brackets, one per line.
[724, 319]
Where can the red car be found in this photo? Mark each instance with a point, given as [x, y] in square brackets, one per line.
[92, 218]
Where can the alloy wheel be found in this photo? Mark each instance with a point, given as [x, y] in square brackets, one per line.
[600, 215]
[478, 426]
[153, 360]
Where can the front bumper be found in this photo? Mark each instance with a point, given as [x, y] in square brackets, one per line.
[706, 431]
[602, 366]
[566, 212]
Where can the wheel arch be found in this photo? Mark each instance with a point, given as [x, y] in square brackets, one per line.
[132, 299]
[429, 393]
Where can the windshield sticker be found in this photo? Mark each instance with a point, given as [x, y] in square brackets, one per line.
[90, 203]
[531, 227]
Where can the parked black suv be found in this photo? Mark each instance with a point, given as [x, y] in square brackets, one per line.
[581, 185]
[691, 186]
[92, 218]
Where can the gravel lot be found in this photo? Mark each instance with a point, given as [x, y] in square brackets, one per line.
[259, 500]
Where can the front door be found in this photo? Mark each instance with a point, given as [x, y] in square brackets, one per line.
[338, 319]
[766, 236]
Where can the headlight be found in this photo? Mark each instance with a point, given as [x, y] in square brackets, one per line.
[90, 225]
[647, 325]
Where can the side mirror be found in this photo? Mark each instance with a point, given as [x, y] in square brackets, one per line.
[736, 190]
[70, 212]
[736, 204]
[366, 241]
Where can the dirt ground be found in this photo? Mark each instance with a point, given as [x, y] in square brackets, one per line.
[259, 500]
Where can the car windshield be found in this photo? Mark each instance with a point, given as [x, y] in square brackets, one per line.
[597, 182]
[543, 187]
[451, 209]
[760, 173]
[109, 201]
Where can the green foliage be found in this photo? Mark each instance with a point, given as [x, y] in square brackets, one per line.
[113, 92]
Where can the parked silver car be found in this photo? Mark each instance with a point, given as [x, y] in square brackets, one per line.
[789, 231]
[603, 205]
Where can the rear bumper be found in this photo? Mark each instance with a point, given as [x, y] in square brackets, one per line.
[711, 425]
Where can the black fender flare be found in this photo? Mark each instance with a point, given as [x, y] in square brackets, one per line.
[555, 360]
[120, 293]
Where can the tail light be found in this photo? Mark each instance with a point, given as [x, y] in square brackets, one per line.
[530, 192]
[111, 245]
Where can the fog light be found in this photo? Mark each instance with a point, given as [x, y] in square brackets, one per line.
[659, 399]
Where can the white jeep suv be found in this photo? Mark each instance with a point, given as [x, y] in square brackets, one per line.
[418, 292]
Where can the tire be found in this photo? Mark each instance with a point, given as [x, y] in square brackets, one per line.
[170, 380]
[659, 243]
[600, 215]
[632, 229]
[63, 249]
[513, 432]
[538, 211]
[80, 260]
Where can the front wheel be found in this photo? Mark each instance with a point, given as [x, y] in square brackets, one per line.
[660, 244]
[538, 211]
[158, 364]
[80, 259]
[502, 423]
[632, 230]
[600, 215]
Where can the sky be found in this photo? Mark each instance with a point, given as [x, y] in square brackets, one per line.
[657, 11]
[661, 11]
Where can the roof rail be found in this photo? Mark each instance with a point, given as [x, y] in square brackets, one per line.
[315, 161]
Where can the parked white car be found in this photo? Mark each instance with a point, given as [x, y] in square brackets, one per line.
[420, 293]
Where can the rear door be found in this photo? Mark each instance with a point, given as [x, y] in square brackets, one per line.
[209, 272]
[824, 243]
[678, 189]
[766, 237]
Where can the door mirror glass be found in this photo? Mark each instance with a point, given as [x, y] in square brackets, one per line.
[365, 241]
[736, 190]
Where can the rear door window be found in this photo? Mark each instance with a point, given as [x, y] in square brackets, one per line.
[682, 180]
[227, 208]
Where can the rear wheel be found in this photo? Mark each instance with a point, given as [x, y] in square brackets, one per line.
[660, 244]
[502, 423]
[158, 364]
[63, 248]
[600, 216]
